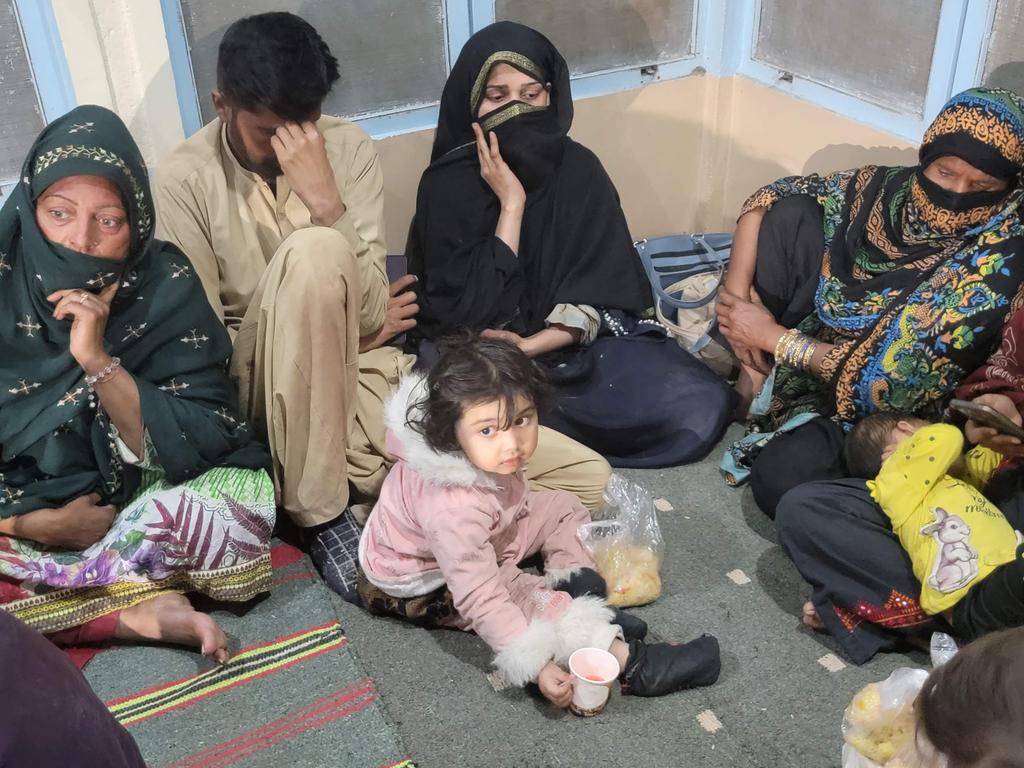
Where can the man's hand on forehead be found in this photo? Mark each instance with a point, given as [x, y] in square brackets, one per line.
[302, 153]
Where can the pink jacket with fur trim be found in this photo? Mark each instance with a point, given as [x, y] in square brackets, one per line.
[441, 521]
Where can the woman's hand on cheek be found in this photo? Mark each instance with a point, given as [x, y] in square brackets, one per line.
[88, 313]
[495, 171]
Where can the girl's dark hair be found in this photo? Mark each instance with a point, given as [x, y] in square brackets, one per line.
[972, 709]
[470, 371]
[275, 60]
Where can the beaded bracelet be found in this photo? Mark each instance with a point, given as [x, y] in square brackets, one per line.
[104, 375]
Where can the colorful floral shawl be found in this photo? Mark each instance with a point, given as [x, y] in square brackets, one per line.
[913, 296]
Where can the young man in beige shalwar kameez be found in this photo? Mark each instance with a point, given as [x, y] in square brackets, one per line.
[280, 210]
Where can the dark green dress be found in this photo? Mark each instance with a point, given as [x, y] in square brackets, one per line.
[197, 510]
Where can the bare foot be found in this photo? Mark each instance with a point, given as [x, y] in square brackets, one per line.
[172, 619]
[811, 617]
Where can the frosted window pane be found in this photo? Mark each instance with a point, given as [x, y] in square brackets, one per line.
[878, 50]
[391, 53]
[1004, 65]
[598, 35]
[23, 119]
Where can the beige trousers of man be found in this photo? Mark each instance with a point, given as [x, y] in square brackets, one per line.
[302, 380]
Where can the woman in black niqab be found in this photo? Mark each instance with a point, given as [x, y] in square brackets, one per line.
[519, 233]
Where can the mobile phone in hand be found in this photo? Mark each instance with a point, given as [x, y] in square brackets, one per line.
[987, 416]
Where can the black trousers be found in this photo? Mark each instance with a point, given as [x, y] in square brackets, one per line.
[790, 248]
[998, 601]
[810, 452]
[863, 584]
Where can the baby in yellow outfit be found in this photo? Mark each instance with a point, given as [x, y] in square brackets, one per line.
[931, 492]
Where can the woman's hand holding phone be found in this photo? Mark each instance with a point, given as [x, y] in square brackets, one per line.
[990, 437]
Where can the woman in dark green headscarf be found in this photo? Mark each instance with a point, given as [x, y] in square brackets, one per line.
[126, 476]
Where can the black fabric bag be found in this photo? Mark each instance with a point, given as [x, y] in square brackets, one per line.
[639, 390]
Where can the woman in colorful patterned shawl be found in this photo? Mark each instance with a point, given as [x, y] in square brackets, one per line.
[126, 476]
[901, 278]
[864, 592]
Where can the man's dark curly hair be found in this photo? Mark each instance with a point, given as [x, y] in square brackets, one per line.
[470, 371]
[278, 61]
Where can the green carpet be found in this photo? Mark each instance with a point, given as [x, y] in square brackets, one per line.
[776, 703]
[293, 694]
[300, 697]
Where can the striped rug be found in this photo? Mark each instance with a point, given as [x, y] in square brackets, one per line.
[293, 693]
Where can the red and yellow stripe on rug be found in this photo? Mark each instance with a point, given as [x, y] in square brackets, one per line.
[330, 708]
[249, 664]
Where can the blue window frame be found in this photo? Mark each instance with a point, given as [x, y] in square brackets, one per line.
[723, 38]
[462, 18]
[961, 43]
[45, 52]
[46, 55]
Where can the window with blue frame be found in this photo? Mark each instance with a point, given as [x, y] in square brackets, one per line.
[34, 80]
[23, 112]
[890, 65]
[1003, 67]
[608, 35]
[396, 54]
[877, 50]
[392, 52]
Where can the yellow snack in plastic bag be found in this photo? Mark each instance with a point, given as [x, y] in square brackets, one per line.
[626, 544]
[881, 739]
[863, 710]
[631, 571]
[879, 723]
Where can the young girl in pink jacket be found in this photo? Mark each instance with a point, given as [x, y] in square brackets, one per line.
[455, 519]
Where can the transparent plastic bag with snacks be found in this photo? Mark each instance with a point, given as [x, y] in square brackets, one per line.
[626, 544]
[879, 722]
[879, 726]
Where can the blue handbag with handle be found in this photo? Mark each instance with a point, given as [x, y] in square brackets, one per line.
[674, 258]
[685, 273]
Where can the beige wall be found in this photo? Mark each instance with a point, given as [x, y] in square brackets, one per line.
[764, 134]
[683, 153]
[649, 146]
[118, 58]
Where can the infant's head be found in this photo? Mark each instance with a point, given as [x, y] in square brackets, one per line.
[874, 438]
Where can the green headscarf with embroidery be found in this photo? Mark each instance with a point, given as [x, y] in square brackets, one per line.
[56, 442]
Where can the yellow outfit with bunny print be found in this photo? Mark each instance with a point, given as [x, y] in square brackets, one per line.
[955, 536]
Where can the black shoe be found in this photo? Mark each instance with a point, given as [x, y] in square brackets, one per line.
[662, 668]
[586, 581]
[334, 550]
[633, 627]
